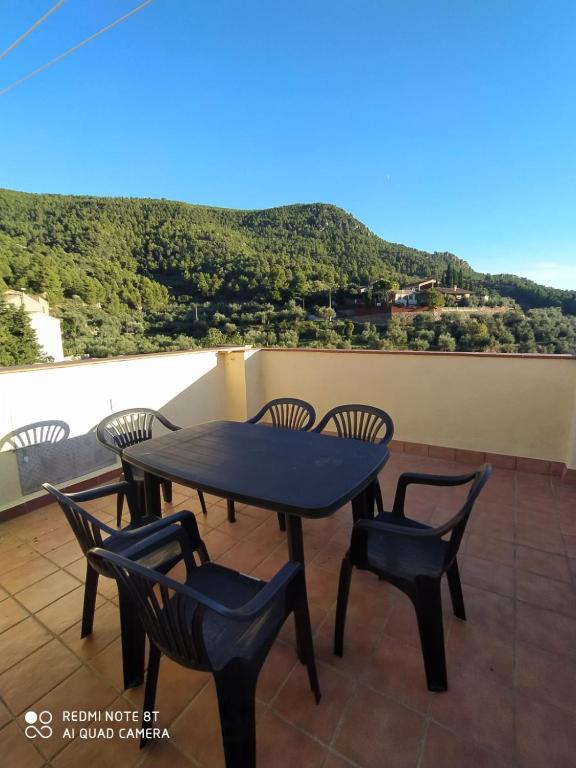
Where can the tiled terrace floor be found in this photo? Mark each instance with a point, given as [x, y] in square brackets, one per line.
[512, 665]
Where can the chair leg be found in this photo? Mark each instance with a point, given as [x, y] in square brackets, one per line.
[150, 692]
[236, 691]
[90, 588]
[341, 605]
[231, 511]
[133, 641]
[453, 575]
[304, 631]
[167, 491]
[119, 506]
[281, 521]
[428, 604]
[202, 503]
[378, 497]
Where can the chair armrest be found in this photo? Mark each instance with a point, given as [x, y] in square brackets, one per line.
[167, 423]
[398, 530]
[149, 537]
[416, 478]
[362, 529]
[280, 582]
[100, 492]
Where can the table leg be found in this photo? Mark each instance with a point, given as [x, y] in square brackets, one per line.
[296, 553]
[363, 504]
[152, 495]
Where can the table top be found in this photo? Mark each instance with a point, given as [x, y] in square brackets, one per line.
[280, 469]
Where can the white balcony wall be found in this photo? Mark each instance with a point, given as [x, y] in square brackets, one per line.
[187, 387]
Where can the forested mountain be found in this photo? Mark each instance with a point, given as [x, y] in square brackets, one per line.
[129, 275]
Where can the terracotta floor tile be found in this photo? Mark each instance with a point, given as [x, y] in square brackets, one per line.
[487, 525]
[330, 557]
[20, 641]
[258, 512]
[544, 734]
[278, 665]
[101, 753]
[32, 571]
[540, 537]
[177, 686]
[546, 593]
[336, 761]
[317, 617]
[106, 630]
[108, 663]
[11, 613]
[567, 518]
[31, 678]
[490, 610]
[47, 591]
[282, 746]
[16, 557]
[570, 544]
[444, 750]
[322, 586]
[65, 554]
[487, 548]
[18, 751]
[397, 671]
[272, 563]
[544, 563]
[479, 710]
[297, 704]
[46, 542]
[244, 556]
[83, 690]
[217, 543]
[546, 629]
[492, 576]
[161, 754]
[402, 623]
[373, 726]
[197, 731]
[241, 528]
[5, 716]
[64, 612]
[546, 675]
[474, 649]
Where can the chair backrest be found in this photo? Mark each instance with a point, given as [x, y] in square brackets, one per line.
[87, 528]
[125, 428]
[50, 431]
[287, 412]
[457, 524]
[358, 422]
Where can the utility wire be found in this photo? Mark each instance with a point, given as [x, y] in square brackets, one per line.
[31, 29]
[74, 48]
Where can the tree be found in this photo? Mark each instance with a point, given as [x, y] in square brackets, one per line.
[18, 343]
[433, 299]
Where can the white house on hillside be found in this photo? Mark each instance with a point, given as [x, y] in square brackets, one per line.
[47, 328]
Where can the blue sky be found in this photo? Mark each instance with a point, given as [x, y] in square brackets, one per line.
[445, 125]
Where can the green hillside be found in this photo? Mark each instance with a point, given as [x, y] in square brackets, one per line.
[129, 275]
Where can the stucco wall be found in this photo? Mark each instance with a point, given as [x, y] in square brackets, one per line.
[515, 405]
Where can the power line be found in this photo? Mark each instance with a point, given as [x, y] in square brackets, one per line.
[31, 29]
[74, 48]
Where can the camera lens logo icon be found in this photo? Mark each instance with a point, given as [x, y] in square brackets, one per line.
[43, 730]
